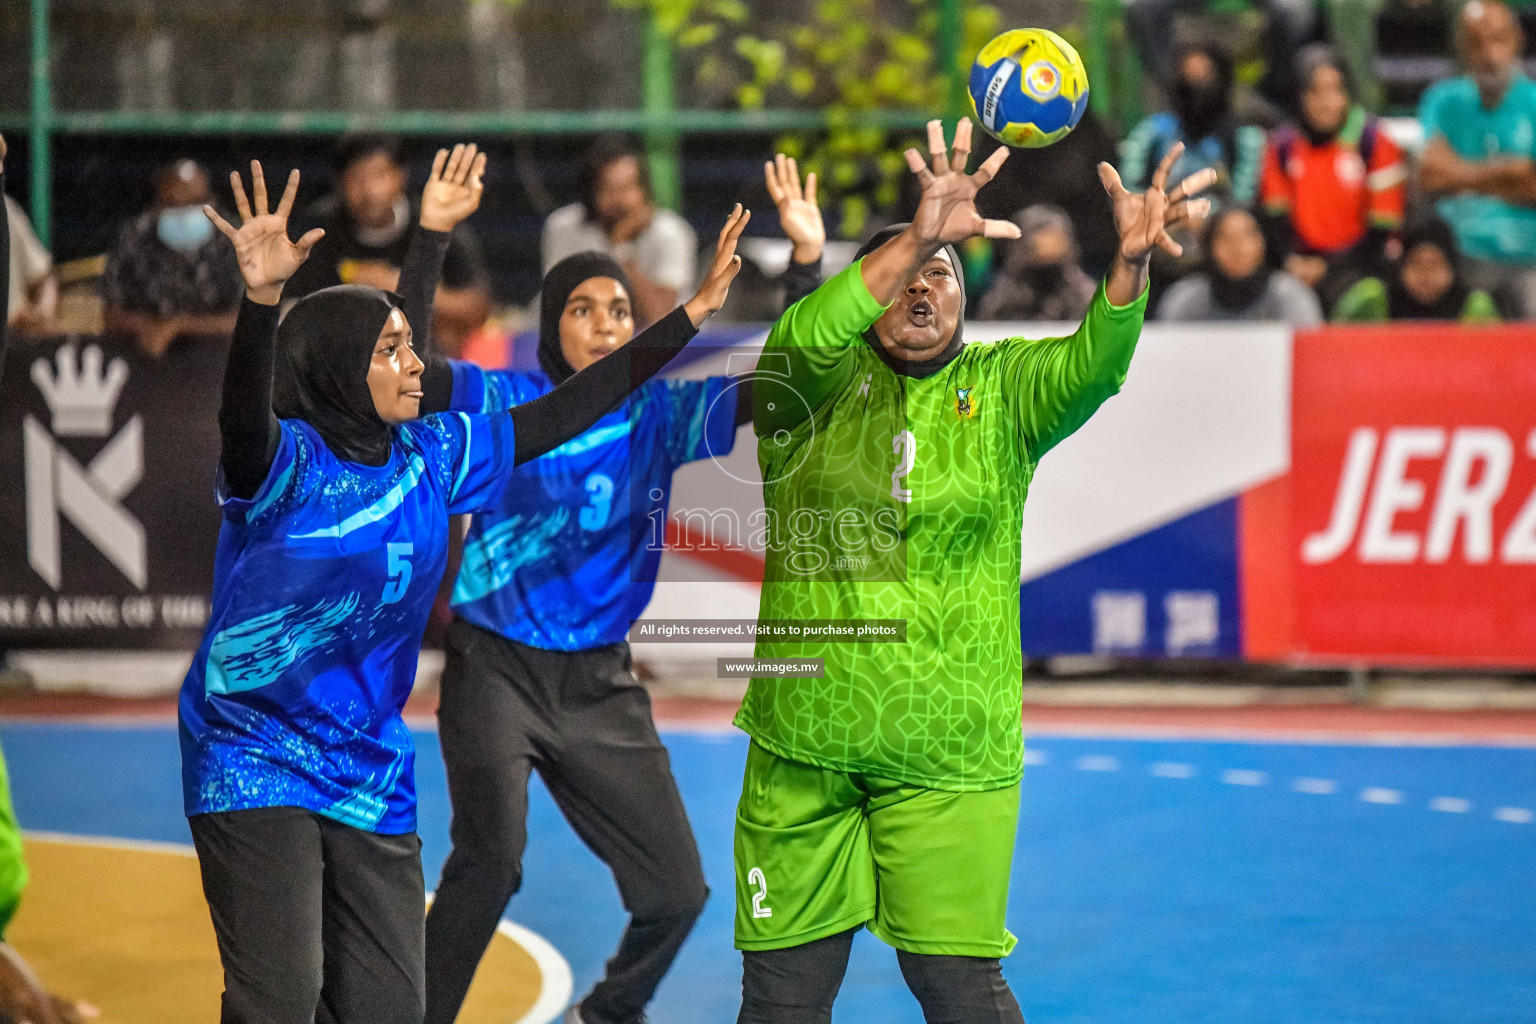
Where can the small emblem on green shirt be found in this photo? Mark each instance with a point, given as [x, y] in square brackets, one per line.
[963, 407]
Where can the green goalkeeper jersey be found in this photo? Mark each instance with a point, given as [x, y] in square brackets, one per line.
[889, 497]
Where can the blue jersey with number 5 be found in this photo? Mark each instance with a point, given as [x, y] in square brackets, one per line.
[323, 582]
[568, 557]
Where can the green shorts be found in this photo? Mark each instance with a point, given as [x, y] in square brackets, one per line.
[820, 851]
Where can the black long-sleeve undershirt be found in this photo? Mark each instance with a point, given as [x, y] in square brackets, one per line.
[417, 288]
[248, 429]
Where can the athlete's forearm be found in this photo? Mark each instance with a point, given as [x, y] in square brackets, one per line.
[890, 267]
[248, 430]
[1127, 280]
[549, 421]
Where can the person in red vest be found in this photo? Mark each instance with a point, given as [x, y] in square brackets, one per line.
[1333, 186]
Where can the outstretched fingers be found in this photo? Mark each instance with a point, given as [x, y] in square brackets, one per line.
[438, 161]
[918, 166]
[989, 167]
[451, 171]
[225, 228]
[1000, 229]
[1160, 176]
[477, 173]
[258, 189]
[810, 188]
[961, 153]
[938, 152]
[1185, 211]
[307, 243]
[1110, 179]
[241, 203]
[1193, 185]
[290, 193]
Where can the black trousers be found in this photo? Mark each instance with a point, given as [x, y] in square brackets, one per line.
[579, 719]
[316, 921]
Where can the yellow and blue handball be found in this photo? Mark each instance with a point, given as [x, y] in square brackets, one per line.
[1029, 87]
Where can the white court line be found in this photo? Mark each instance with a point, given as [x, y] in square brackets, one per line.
[1173, 770]
[1379, 795]
[1514, 815]
[1098, 763]
[1450, 804]
[1244, 777]
[556, 982]
[1033, 756]
[1319, 787]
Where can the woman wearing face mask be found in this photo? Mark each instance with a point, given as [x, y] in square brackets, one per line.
[169, 273]
[538, 673]
[1237, 282]
[297, 768]
[1426, 283]
[1041, 278]
[1334, 185]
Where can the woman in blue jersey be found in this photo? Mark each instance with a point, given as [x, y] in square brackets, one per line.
[297, 767]
[538, 671]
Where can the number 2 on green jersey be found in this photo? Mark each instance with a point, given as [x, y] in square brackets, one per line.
[905, 447]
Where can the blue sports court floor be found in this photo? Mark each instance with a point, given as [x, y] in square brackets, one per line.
[1180, 882]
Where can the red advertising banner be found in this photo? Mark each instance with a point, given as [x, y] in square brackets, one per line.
[1413, 495]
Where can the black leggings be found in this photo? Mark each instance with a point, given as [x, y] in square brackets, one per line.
[317, 922]
[581, 721]
[797, 985]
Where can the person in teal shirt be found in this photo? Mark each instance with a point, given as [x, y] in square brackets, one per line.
[1480, 132]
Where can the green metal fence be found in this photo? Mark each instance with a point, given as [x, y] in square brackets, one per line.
[658, 119]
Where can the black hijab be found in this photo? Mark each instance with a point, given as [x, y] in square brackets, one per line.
[1311, 59]
[1233, 294]
[563, 279]
[1205, 108]
[324, 347]
[1401, 305]
[928, 367]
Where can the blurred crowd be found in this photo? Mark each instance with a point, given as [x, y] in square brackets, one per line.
[1324, 212]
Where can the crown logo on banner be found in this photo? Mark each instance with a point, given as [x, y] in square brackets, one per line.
[80, 395]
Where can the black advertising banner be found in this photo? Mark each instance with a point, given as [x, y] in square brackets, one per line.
[107, 519]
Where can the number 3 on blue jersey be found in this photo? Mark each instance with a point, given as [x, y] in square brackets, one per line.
[594, 514]
[399, 573]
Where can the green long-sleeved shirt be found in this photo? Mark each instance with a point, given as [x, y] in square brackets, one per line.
[895, 498]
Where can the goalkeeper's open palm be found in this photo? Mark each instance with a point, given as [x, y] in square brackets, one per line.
[1143, 219]
[947, 211]
[267, 258]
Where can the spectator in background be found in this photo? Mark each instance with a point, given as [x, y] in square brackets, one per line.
[1238, 282]
[618, 215]
[368, 220]
[1151, 23]
[1040, 278]
[1480, 138]
[1425, 284]
[34, 292]
[1333, 185]
[169, 273]
[1201, 117]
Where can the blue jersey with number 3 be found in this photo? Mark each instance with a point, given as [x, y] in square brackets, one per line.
[323, 582]
[568, 558]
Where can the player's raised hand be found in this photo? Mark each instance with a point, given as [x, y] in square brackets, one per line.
[1143, 219]
[799, 215]
[947, 211]
[717, 283]
[454, 188]
[267, 258]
